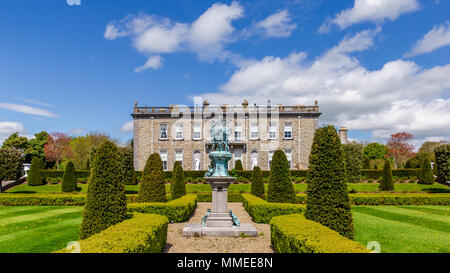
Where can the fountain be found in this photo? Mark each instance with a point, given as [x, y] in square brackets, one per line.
[219, 221]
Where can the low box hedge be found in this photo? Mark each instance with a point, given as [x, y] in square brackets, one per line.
[56, 173]
[16, 199]
[178, 210]
[295, 234]
[232, 197]
[394, 199]
[376, 174]
[262, 211]
[143, 233]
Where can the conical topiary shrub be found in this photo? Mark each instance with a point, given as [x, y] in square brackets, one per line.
[35, 177]
[281, 189]
[238, 165]
[257, 187]
[366, 164]
[178, 188]
[387, 183]
[126, 157]
[152, 188]
[327, 199]
[106, 202]
[442, 153]
[69, 182]
[426, 174]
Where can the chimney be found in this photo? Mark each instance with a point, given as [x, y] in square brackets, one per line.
[343, 135]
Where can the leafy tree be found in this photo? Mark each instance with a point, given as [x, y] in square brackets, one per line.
[426, 174]
[178, 188]
[387, 183]
[399, 148]
[353, 161]
[69, 182]
[126, 157]
[257, 188]
[10, 164]
[238, 165]
[35, 177]
[82, 146]
[375, 151]
[35, 147]
[442, 153]
[408, 164]
[57, 147]
[14, 141]
[327, 200]
[152, 188]
[106, 202]
[281, 189]
[366, 163]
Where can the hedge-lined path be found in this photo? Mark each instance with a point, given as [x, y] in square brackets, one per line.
[176, 243]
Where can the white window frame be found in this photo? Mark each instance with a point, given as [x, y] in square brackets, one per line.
[179, 152]
[273, 130]
[270, 156]
[163, 154]
[197, 129]
[254, 131]
[178, 131]
[237, 158]
[288, 129]
[288, 154]
[238, 133]
[161, 126]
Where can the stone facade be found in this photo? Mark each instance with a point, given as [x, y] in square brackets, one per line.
[192, 130]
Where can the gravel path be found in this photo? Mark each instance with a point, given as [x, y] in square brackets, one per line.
[176, 243]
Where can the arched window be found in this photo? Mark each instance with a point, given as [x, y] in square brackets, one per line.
[254, 159]
[196, 161]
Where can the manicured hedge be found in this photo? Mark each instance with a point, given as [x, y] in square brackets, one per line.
[13, 199]
[394, 199]
[55, 173]
[177, 210]
[262, 211]
[375, 174]
[143, 233]
[295, 234]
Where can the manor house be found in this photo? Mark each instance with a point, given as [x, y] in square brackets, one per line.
[180, 133]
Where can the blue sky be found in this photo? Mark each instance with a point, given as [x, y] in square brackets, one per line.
[376, 66]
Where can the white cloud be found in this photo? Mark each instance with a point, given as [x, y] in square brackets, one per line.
[400, 96]
[277, 25]
[127, 127]
[9, 127]
[375, 11]
[206, 36]
[73, 2]
[436, 38]
[154, 62]
[27, 109]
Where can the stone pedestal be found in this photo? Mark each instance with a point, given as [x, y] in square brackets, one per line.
[219, 222]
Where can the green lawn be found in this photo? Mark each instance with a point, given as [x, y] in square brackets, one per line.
[41, 229]
[37, 229]
[404, 229]
[239, 188]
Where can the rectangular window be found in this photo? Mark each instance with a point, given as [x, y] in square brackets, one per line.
[238, 133]
[289, 157]
[272, 130]
[254, 131]
[163, 131]
[288, 130]
[270, 158]
[179, 156]
[163, 155]
[179, 131]
[197, 131]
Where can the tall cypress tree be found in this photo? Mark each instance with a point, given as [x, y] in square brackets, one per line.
[257, 188]
[69, 182]
[281, 189]
[152, 187]
[35, 177]
[106, 203]
[327, 199]
[387, 183]
[426, 174]
[238, 165]
[178, 185]
[126, 156]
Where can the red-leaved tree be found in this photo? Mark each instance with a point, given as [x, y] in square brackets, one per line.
[399, 148]
[57, 147]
